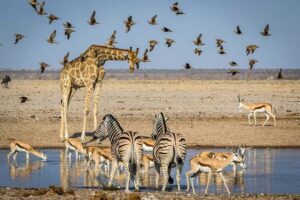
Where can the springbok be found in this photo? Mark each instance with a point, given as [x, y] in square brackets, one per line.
[147, 162]
[205, 163]
[254, 108]
[74, 145]
[100, 156]
[19, 146]
[147, 144]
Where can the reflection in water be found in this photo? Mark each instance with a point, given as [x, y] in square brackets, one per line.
[264, 173]
[23, 171]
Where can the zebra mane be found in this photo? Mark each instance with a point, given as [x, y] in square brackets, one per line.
[163, 124]
[114, 119]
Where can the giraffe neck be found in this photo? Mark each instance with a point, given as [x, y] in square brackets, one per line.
[104, 53]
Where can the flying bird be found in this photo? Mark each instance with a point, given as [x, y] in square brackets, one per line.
[280, 74]
[34, 3]
[65, 60]
[251, 63]
[152, 21]
[169, 42]
[233, 72]
[111, 41]
[198, 40]
[266, 31]
[43, 66]
[221, 50]
[41, 10]
[251, 48]
[51, 38]
[24, 99]
[129, 23]
[238, 30]
[165, 29]
[93, 20]
[68, 32]
[145, 56]
[233, 64]
[219, 42]
[187, 66]
[52, 18]
[198, 51]
[175, 8]
[152, 44]
[18, 37]
[68, 25]
[6, 79]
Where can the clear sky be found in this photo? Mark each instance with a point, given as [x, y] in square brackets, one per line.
[213, 18]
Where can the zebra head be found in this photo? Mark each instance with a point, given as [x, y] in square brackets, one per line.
[108, 127]
[159, 127]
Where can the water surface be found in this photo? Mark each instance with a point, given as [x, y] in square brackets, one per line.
[273, 171]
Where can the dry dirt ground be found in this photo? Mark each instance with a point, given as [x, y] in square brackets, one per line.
[91, 194]
[205, 112]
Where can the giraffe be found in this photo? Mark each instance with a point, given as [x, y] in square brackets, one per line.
[87, 71]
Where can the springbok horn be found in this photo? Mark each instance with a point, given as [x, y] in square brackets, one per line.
[239, 98]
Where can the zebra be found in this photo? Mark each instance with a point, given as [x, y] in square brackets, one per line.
[126, 147]
[169, 151]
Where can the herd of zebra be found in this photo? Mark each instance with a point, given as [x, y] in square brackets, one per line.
[129, 151]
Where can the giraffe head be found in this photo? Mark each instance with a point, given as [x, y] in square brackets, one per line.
[133, 59]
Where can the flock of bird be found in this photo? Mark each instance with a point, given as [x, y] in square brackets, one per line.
[129, 23]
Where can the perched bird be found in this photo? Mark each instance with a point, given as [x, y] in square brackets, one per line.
[165, 29]
[68, 32]
[152, 21]
[266, 31]
[51, 38]
[68, 25]
[187, 66]
[152, 44]
[111, 41]
[6, 79]
[198, 51]
[169, 42]
[280, 74]
[43, 66]
[41, 10]
[23, 99]
[93, 19]
[238, 30]
[198, 40]
[52, 18]
[221, 50]
[251, 48]
[219, 42]
[18, 37]
[232, 63]
[233, 72]
[129, 23]
[145, 56]
[65, 60]
[34, 3]
[175, 8]
[251, 63]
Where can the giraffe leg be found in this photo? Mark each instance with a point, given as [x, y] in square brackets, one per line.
[96, 102]
[88, 94]
[64, 106]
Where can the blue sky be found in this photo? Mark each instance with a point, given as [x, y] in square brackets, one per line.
[213, 18]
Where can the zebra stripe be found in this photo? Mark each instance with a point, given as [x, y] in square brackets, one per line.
[169, 150]
[126, 147]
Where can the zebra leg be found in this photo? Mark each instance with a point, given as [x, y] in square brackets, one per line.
[157, 170]
[112, 172]
[178, 174]
[129, 176]
[165, 171]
